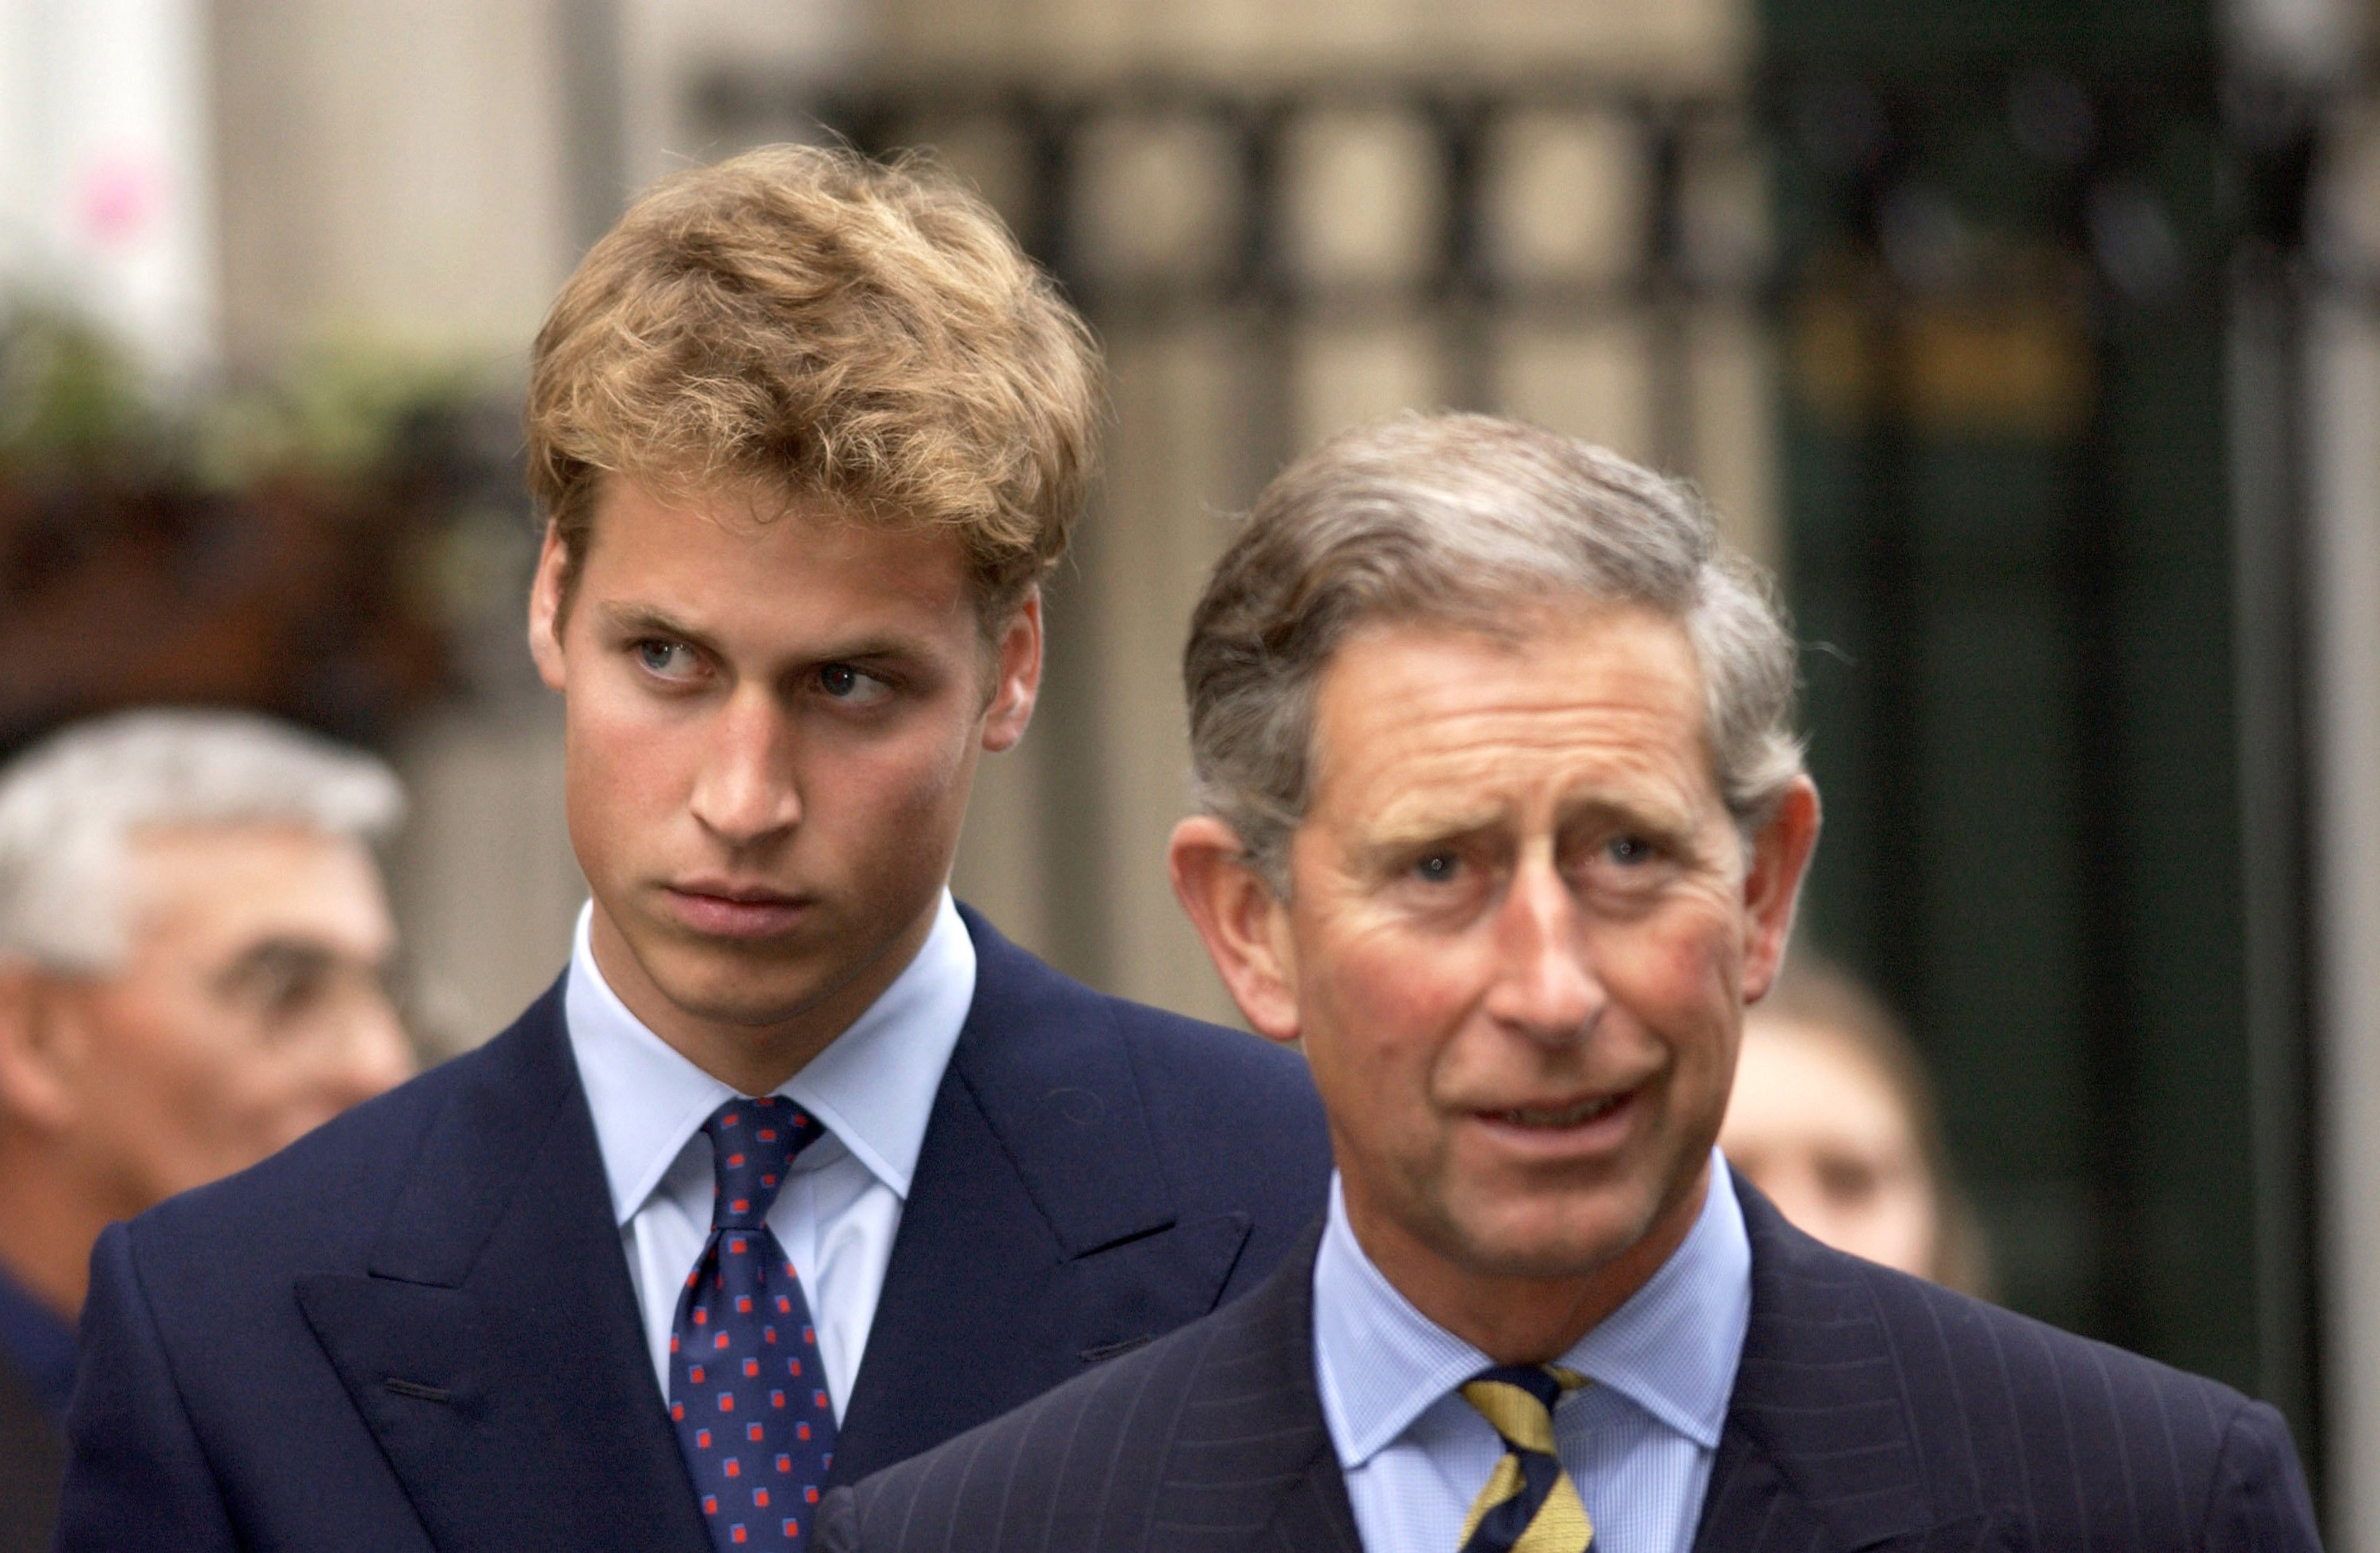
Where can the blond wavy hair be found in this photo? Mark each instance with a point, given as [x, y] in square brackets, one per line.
[811, 323]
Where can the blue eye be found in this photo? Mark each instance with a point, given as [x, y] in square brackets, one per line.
[664, 657]
[1438, 867]
[852, 687]
[1628, 851]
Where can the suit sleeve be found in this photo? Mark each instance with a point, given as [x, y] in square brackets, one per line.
[2259, 1503]
[135, 1477]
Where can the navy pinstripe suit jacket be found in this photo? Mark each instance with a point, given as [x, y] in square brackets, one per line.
[1871, 1411]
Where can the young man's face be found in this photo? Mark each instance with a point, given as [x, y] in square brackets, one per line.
[773, 723]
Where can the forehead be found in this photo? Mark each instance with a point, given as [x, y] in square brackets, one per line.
[736, 547]
[241, 880]
[1421, 723]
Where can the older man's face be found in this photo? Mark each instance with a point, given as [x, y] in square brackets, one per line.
[251, 1007]
[1520, 930]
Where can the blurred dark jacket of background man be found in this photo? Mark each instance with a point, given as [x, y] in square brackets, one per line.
[194, 942]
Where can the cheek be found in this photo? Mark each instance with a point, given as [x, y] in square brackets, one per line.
[1681, 973]
[619, 766]
[187, 1104]
[1385, 1013]
[894, 796]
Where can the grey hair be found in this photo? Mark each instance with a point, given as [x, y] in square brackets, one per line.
[1464, 520]
[70, 804]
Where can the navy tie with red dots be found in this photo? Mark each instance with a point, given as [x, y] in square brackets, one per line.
[747, 1393]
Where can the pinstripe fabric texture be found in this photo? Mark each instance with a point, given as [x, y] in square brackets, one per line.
[1871, 1411]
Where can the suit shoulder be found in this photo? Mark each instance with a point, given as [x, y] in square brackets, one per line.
[1984, 1385]
[1892, 1402]
[336, 1182]
[1956, 1330]
[1189, 1068]
[1250, 1066]
[1947, 1346]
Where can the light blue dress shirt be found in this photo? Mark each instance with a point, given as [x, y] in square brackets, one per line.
[1637, 1442]
[839, 1208]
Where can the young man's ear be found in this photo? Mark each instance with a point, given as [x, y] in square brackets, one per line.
[1780, 858]
[545, 591]
[1016, 676]
[1245, 926]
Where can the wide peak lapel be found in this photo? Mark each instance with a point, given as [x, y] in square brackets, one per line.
[1041, 1236]
[495, 1349]
[1251, 1463]
[1817, 1450]
[1042, 1058]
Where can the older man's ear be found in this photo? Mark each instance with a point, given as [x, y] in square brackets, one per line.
[1772, 886]
[1245, 924]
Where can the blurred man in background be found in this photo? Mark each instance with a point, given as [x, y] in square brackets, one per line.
[194, 944]
[1833, 1117]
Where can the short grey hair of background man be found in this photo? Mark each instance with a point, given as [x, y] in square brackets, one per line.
[194, 940]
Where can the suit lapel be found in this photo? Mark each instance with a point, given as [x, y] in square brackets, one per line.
[1817, 1452]
[1252, 1453]
[1041, 1234]
[494, 1347]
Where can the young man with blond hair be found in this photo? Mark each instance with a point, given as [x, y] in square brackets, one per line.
[800, 1168]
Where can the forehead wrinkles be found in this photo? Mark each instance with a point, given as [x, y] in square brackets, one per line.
[1448, 729]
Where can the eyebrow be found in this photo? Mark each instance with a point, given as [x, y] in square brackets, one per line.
[291, 957]
[645, 620]
[1400, 832]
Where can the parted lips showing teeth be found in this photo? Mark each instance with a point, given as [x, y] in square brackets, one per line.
[1568, 1116]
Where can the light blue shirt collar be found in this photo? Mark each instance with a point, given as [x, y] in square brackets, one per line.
[873, 1087]
[1671, 1349]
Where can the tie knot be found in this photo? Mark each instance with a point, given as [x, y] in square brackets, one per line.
[751, 1143]
[1518, 1401]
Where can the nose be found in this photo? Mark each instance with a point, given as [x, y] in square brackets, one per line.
[743, 791]
[1544, 985]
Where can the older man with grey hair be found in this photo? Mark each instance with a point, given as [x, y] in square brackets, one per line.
[194, 939]
[1505, 821]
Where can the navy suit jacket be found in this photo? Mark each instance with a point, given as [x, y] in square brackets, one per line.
[416, 1328]
[1871, 1411]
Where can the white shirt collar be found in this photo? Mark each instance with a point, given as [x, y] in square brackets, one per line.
[873, 1087]
[1671, 1349]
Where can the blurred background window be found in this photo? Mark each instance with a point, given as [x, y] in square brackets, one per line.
[2034, 342]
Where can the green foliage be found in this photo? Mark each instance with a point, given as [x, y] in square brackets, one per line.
[71, 401]
[76, 408]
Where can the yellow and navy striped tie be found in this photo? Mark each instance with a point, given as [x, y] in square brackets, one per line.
[1530, 1504]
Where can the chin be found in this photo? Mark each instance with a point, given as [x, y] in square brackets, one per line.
[1547, 1238]
[730, 993]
